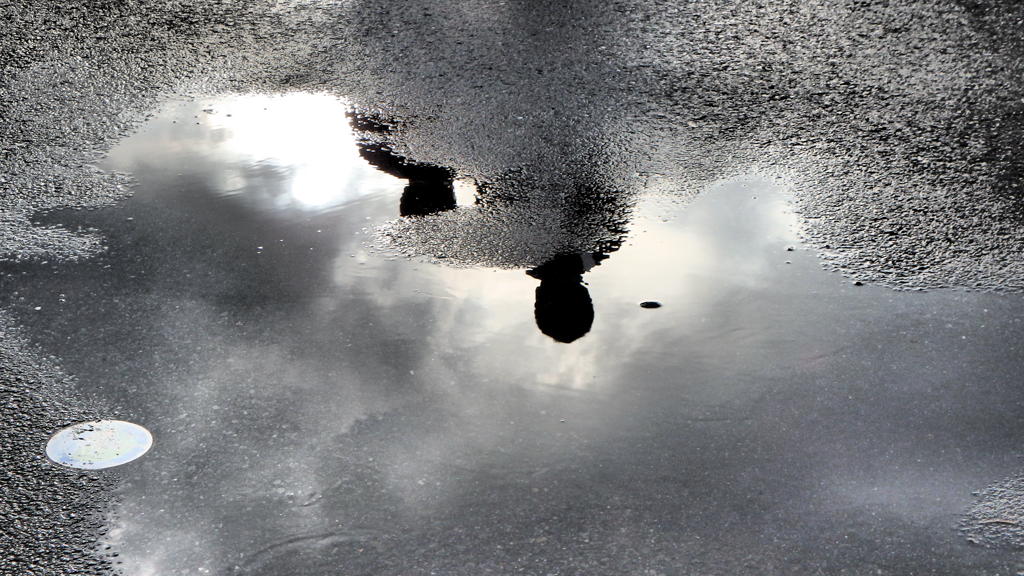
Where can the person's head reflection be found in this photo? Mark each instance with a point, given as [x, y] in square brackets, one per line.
[563, 309]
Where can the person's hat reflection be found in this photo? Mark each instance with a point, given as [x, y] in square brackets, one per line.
[563, 309]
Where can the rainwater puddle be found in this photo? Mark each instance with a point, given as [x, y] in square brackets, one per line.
[323, 407]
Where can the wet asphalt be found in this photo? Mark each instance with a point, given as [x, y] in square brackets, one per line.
[404, 383]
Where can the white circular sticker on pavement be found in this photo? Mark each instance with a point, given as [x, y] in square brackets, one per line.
[99, 444]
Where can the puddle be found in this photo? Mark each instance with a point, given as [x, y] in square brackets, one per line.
[323, 406]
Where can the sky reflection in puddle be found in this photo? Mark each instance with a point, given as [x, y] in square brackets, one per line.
[323, 407]
[285, 154]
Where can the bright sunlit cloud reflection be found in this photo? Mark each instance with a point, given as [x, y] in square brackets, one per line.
[306, 139]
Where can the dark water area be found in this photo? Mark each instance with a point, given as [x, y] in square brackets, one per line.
[321, 406]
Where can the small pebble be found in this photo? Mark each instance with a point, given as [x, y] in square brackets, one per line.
[650, 304]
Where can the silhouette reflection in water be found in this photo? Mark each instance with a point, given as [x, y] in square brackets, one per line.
[563, 308]
[430, 189]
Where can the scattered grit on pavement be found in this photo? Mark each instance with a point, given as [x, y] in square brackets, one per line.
[898, 123]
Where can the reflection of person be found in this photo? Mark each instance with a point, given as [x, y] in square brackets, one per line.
[563, 309]
[592, 223]
[430, 188]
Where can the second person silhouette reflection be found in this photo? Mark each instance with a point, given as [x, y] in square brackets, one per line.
[430, 189]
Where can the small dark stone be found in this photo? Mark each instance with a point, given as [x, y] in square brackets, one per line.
[858, 283]
[650, 304]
